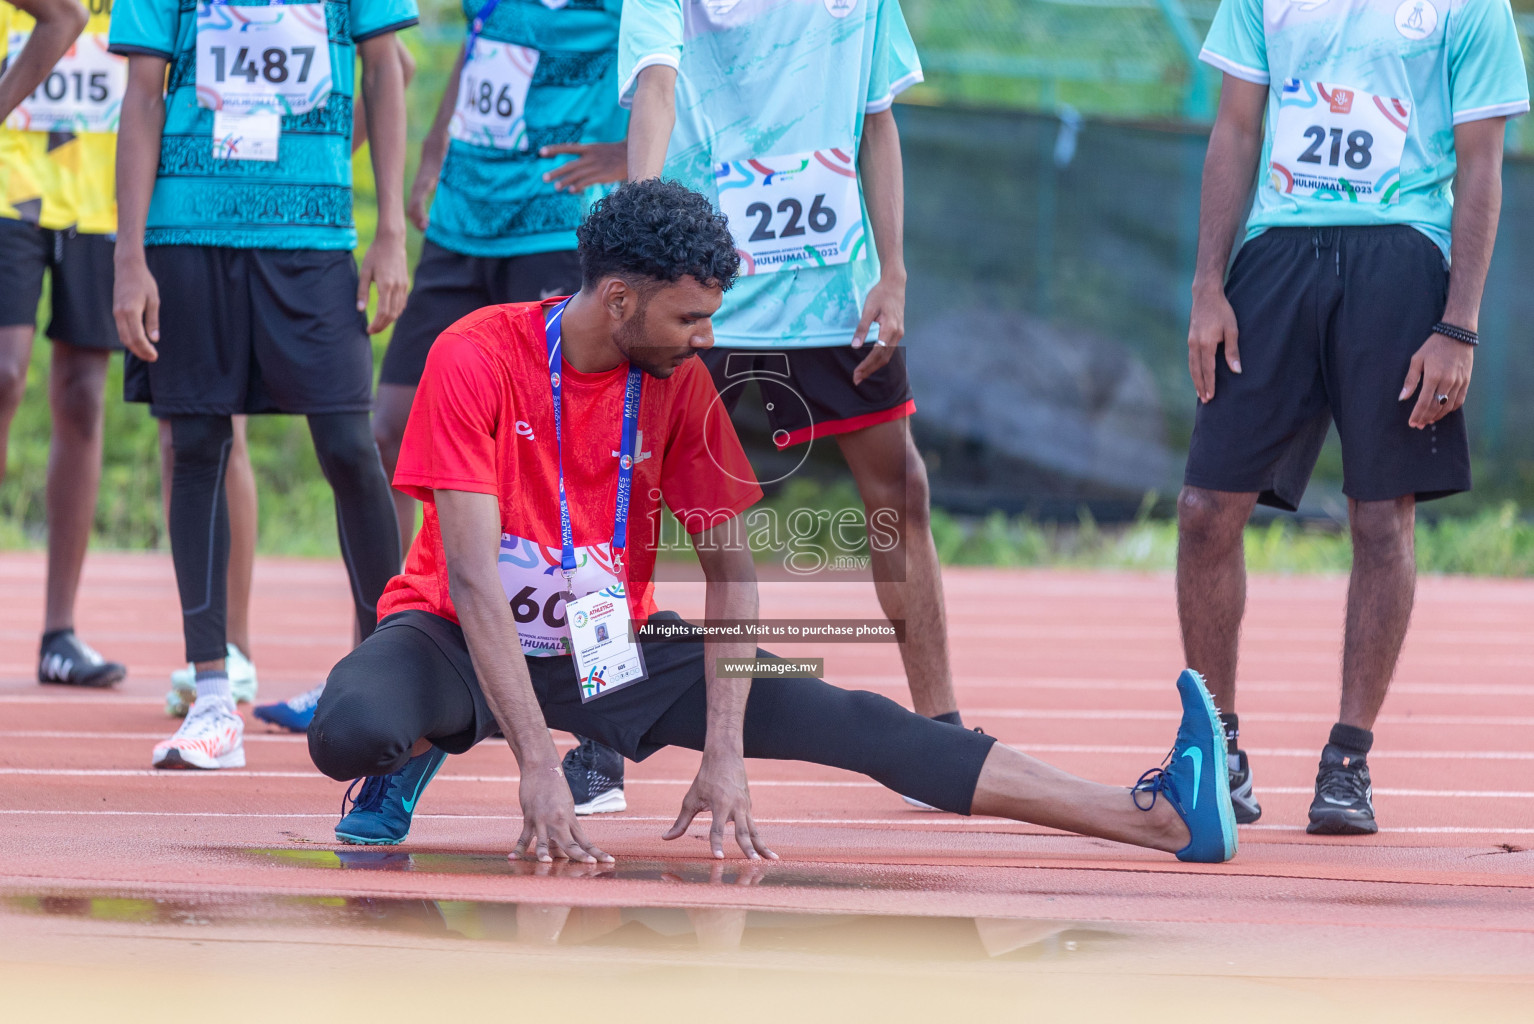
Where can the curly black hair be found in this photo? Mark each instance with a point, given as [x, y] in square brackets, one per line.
[658, 230]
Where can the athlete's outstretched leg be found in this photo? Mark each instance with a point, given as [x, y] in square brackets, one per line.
[365, 518]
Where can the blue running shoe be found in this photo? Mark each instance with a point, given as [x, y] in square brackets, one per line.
[293, 715]
[380, 815]
[1194, 777]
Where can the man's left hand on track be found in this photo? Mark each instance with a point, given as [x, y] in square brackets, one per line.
[384, 266]
[596, 163]
[721, 789]
[886, 307]
[1442, 366]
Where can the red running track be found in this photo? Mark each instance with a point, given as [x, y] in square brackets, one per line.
[1076, 668]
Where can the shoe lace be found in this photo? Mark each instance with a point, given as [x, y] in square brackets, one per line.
[1154, 781]
[204, 719]
[308, 700]
[373, 789]
[1342, 781]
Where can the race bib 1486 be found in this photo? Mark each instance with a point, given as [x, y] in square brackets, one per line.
[1335, 143]
[798, 210]
[492, 95]
[83, 92]
[251, 59]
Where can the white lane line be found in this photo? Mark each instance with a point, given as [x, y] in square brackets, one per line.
[916, 820]
[1489, 794]
[980, 713]
[262, 737]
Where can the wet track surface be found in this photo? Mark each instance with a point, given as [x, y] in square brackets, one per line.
[119, 884]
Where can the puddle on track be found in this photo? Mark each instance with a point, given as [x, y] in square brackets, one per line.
[736, 872]
[710, 929]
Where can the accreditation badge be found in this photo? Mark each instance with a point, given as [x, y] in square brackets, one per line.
[607, 657]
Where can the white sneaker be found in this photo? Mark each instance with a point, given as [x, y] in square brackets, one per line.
[183, 683]
[211, 737]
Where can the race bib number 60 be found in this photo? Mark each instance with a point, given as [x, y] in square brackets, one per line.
[1339, 144]
[83, 92]
[799, 210]
[273, 58]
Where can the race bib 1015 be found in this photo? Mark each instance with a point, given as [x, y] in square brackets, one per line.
[1335, 143]
[787, 212]
[273, 58]
[492, 95]
[83, 92]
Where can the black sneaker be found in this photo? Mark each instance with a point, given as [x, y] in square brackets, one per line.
[70, 661]
[595, 775]
[1242, 800]
[1344, 798]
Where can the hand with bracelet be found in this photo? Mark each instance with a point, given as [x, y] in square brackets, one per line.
[1442, 367]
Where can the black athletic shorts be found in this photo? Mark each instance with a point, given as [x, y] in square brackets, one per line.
[449, 286]
[413, 678]
[254, 331]
[82, 282]
[809, 392]
[1329, 319]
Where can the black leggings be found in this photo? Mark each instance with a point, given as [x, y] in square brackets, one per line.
[199, 519]
[406, 683]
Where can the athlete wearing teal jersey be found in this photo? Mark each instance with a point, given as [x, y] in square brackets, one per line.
[300, 200]
[493, 200]
[1318, 58]
[780, 112]
[1374, 131]
[763, 86]
[235, 287]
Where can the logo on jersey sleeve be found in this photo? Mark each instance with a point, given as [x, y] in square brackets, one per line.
[1416, 19]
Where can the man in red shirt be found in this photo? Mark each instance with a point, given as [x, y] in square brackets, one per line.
[550, 433]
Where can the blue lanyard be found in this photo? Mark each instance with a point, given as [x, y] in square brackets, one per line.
[631, 394]
[477, 26]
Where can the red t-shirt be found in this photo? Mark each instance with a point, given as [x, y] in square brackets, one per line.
[483, 421]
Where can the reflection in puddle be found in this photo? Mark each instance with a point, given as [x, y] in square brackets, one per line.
[709, 929]
[737, 872]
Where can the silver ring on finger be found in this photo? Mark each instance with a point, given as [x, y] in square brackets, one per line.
[1443, 399]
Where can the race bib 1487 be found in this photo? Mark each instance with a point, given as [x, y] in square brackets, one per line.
[252, 59]
[798, 210]
[83, 92]
[1334, 143]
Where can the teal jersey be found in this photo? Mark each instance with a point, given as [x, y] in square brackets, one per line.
[770, 101]
[302, 199]
[491, 198]
[1363, 98]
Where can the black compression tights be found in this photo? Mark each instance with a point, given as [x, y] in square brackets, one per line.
[199, 519]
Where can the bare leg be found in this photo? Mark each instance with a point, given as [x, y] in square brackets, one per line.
[76, 382]
[1014, 785]
[240, 485]
[1380, 594]
[892, 480]
[1211, 584]
[15, 354]
[391, 410]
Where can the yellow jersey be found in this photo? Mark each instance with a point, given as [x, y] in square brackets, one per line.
[63, 179]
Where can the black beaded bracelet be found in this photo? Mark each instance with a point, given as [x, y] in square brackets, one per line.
[1457, 333]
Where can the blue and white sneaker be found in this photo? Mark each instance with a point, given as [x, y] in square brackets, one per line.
[1194, 778]
[293, 715]
[595, 775]
[380, 815]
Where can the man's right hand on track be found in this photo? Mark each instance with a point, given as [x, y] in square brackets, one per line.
[1213, 324]
[136, 308]
[549, 826]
